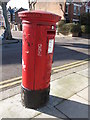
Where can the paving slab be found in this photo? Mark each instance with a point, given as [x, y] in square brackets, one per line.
[72, 82]
[12, 108]
[78, 99]
[60, 74]
[58, 106]
[84, 93]
[74, 107]
[10, 92]
[84, 73]
[51, 112]
[45, 116]
[61, 92]
[54, 100]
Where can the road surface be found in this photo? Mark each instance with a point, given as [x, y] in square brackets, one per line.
[67, 50]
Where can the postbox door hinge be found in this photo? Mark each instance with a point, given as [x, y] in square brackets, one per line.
[46, 46]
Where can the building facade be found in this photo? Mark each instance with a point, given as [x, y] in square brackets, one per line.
[54, 7]
[88, 7]
[15, 21]
[2, 22]
[68, 9]
[73, 11]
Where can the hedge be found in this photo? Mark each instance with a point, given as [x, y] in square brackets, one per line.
[61, 23]
[85, 29]
[69, 28]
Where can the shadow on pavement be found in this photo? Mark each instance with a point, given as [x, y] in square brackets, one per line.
[72, 109]
[63, 53]
[77, 45]
[86, 36]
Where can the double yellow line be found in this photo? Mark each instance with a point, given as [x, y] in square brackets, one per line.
[17, 80]
[10, 82]
[69, 66]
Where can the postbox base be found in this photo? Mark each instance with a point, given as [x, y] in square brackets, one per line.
[34, 98]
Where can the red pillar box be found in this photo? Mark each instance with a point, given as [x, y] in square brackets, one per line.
[39, 30]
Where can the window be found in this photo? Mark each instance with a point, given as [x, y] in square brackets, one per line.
[87, 10]
[66, 8]
[74, 10]
[78, 10]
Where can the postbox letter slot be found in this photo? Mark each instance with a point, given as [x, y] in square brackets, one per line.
[51, 32]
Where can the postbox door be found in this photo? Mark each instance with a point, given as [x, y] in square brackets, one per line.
[49, 56]
[40, 57]
[43, 57]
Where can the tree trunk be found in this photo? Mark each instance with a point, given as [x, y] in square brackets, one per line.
[7, 33]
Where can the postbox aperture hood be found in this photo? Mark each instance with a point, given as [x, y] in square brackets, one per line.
[39, 16]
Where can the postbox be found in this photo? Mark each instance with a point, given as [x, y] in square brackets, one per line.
[39, 30]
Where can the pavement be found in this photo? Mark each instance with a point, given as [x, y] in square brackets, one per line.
[16, 39]
[68, 98]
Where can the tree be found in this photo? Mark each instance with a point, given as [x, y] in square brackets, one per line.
[32, 4]
[7, 32]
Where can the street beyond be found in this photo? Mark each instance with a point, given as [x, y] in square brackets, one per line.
[67, 50]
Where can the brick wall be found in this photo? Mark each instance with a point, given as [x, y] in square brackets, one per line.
[75, 16]
[17, 18]
[83, 9]
[70, 12]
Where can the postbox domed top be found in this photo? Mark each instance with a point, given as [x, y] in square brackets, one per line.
[39, 16]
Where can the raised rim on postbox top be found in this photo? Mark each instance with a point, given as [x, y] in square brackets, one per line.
[38, 15]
